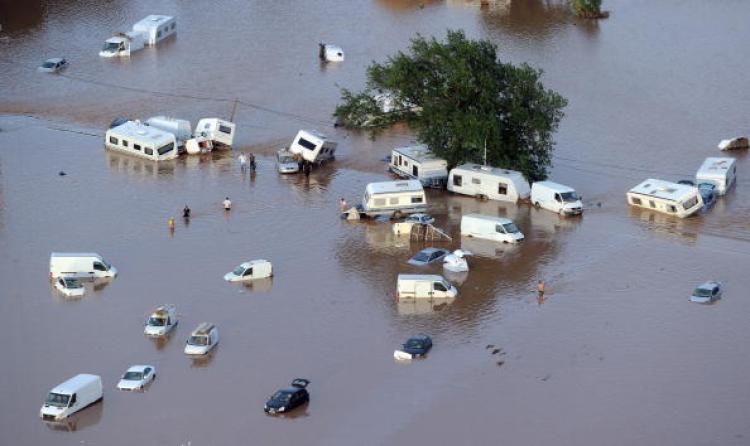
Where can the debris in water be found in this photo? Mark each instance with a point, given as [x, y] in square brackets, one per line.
[495, 351]
[62, 173]
[489, 346]
[500, 363]
[546, 377]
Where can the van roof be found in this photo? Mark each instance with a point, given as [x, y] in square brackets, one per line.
[254, 262]
[75, 254]
[715, 167]
[152, 21]
[557, 187]
[203, 329]
[664, 189]
[494, 171]
[420, 153]
[142, 133]
[75, 383]
[433, 277]
[491, 218]
[163, 310]
[389, 187]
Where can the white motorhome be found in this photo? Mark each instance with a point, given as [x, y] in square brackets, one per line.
[135, 138]
[220, 132]
[556, 198]
[491, 228]
[149, 31]
[73, 395]
[79, 265]
[424, 286]
[488, 182]
[663, 196]
[419, 163]
[391, 197]
[721, 172]
[313, 147]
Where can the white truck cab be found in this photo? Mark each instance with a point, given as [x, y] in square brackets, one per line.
[80, 265]
[202, 340]
[556, 198]
[73, 395]
[424, 286]
[490, 228]
[161, 321]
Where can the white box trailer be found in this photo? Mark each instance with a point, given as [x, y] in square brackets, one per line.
[313, 147]
[556, 198]
[80, 265]
[488, 182]
[77, 393]
[392, 197]
[219, 131]
[424, 286]
[135, 138]
[491, 228]
[670, 198]
[419, 163]
[149, 31]
[721, 172]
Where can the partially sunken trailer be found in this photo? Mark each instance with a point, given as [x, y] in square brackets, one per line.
[149, 31]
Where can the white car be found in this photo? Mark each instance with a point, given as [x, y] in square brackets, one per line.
[69, 286]
[54, 65]
[202, 340]
[254, 269]
[456, 261]
[285, 162]
[137, 377]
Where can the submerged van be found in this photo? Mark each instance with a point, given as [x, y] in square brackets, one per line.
[202, 340]
[556, 198]
[80, 265]
[73, 395]
[424, 286]
[490, 228]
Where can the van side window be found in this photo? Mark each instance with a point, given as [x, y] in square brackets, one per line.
[415, 171]
[113, 140]
[557, 198]
[416, 199]
[437, 286]
[148, 151]
[99, 267]
[248, 272]
[228, 130]
[72, 400]
[502, 188]
[457, 180]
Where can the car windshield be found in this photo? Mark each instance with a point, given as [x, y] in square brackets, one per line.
[157, 321]
[510, 228]
[570, 197]
[110, 46]
[133, 376]
[238, 271]
[413, 343]
[282, 396]
[198, 340]
[702, 292]
[285, 159]
[57, 399]
[422, 257]
[48, 65]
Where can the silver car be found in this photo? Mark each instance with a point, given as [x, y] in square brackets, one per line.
[706, 293]
[54, 65]
[285, 162]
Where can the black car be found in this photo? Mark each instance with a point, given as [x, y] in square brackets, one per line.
[417, 345]
[287, 399]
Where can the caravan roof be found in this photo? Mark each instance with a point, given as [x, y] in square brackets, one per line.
[151, 22]
[75, 383]
[390, 187]
[665, 190]
[495, 171]
[139, 131]
[419, 153]
[715, 168]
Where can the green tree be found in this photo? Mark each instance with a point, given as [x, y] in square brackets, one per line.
[587, 8]
[458, 97]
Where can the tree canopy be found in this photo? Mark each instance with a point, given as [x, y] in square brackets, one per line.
[458, 96]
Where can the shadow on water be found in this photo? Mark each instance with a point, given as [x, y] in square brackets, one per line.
[86, 418]
[203, 361]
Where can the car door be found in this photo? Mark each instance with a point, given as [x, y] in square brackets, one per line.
[147, 374]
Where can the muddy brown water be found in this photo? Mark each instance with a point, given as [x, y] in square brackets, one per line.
[616, 355]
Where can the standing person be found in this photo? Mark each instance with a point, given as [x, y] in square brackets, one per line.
[252, 162]
[343, 205]
[227, 204]
[540, 292]
[307, 168]
[243, 162]
[186, 212]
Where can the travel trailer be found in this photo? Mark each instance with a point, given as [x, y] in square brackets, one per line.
[556, 198]
[180, 128]
[424, 286]
[313, 147]
[79, 265]
[488, 182]
[331, 53]
[721, 172]
[419, 163]
[220, 132]
[491, 228]
[149, 31]
[663, 196]
[77, 393]
[392, 197]
[202, 340]
[135, 138]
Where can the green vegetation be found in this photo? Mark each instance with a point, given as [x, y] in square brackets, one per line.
[458, 97]
[588, 8]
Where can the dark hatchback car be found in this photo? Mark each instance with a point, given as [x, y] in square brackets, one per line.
[287, 399]
[417, 346]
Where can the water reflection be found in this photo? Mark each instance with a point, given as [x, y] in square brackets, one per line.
[257, 285]
[86, 418]
[531, 19]
[408, 307]
[131, 165]
[405, 5]
[683, 229]
[161, 342]
[203, 361]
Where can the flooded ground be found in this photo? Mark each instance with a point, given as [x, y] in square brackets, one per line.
[616, 355]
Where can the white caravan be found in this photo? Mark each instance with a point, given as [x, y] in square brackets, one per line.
[220, 132]
[161, 321]
[666, 197]
[149, 31]
[419, 163]
[488, 182]
[202, 340]
[79, 265]
[254, 269]
[331, 53]
[135, 138]
[313, 147]
[73, 395]
[491, 228]
[556, 198]
[721, 172]
[424, 286]
[391, 197]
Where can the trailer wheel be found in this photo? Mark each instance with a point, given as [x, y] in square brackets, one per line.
[536, 205]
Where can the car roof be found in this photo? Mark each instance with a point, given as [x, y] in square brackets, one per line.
[431, 250]
[420, 337]
[139, 368]
[253, 262]
[708, 285]
[55, 59]
[203, 329]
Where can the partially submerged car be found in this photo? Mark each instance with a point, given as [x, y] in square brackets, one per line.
[707, 293]
[137, 377]
[427, 256]
[708, 193]
[423, 219]
[285, 162]
[202, 340]
[254, 269]
[161, 321]
[69, 286]
[414, 347]
[287, 399]
[54, 65]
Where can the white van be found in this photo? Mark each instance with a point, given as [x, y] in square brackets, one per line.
[202, 340]
[419, 163]
[161, 321]
[719, 171]
[254, 269]
[79, 265]
[556, 198]
[488, 182]
[135, 138]
[313, 147]
[73, 395]
[424, 286]
[490, 228]
[390, 197]
[669, 198]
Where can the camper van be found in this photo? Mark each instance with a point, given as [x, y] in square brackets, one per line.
[161, 321]
[149, 31]
[79, 265]
[488, 182]
[556, 198]
[666, 197]
[202, 340]
[419, 163]
[719, 171]
[391, 197]
[313, 147]
[424, 286]
[73, 395]
[135, 138]
[220, 132]
[491, 228]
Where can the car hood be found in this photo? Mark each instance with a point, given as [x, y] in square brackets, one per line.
[126, 384]
[231, 277]
[154, 330]
[51, 410]
[196, 349]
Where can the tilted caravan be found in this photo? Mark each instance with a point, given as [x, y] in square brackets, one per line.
[144, 141]
[148, 31]
[419, 163]
[313, 147]
[719, 171]
[666, 197]
[390, 197]
[488, 182]
[220, 132]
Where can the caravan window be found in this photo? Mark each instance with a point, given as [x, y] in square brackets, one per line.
[394, 200]
[671, 208]
[148, 151]
[172, 26]
[690, 203]
[379, 202]
[306, 144]
[415, 171]
[225, 129]
[137, 147]
[113, 140]
[636, 201]
[416, 199]
[124, 143]
[166, 148]
[476, 181]
[502, 188]
[457, 180]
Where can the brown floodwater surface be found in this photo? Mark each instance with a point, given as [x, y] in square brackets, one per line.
[615, 355]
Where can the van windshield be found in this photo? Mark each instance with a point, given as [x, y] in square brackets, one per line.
[57, 399]
[510, 228]
[570, 197]
[110, 46]
[157, 322]
[238, 271]
[198, 340]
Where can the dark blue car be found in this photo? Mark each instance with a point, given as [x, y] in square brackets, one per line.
[417, 346]
[287, 399]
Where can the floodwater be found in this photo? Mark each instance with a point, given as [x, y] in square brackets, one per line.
[616, 355]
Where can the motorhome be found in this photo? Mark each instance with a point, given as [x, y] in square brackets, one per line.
[663, 196]
[202, 340]
[488, 182]
[392, 197]
[491, 228]
[79, 265]
[556, 198]
[419, 163]
[149, 31]
[313, 147]
[77, 393]
[424, 286]
[161, 321]
[219, 131]
[135, 138]
[721, 172]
